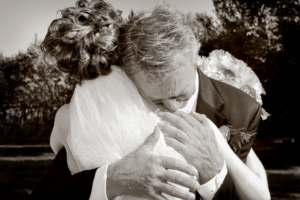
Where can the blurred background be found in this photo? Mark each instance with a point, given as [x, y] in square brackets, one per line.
[263, 33]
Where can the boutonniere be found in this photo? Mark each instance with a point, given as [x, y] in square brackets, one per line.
[235, 137]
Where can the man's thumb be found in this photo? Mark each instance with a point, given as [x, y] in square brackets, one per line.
[151, 140]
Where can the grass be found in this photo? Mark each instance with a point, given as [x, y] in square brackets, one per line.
[21, 168]
[18, 178]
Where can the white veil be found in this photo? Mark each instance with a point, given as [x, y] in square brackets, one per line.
[109, 119]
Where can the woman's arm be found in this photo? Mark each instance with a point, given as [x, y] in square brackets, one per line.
[58, 182]
[256, 166]
[250, 179]
[60, 128]
[58, 139]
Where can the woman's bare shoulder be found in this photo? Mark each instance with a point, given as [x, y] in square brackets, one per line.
[58, 138]
[62, 115]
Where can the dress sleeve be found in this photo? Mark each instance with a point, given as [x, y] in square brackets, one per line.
[58, 182]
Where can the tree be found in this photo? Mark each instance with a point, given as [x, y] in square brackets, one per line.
[30, 92]
[265, 34]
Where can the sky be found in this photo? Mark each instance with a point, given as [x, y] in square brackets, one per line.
[20, 20]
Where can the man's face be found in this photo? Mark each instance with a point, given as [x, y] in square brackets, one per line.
[176, 88]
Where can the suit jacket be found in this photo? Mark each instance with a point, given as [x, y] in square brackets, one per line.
[226, 105]
[221, 103]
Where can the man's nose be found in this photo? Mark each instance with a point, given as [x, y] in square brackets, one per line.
[172, 104]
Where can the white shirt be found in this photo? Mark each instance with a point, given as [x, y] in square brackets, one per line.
[206, 191]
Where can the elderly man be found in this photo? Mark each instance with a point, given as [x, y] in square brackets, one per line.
[160, 55]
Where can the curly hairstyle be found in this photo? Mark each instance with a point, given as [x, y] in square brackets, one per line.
[151, 40]
[84, 41]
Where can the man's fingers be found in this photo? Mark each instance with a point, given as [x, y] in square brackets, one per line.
[201, 118]
[179, 147]
[174, 164]
[188, 118]
[181, 179]
[176, 192]
[176, 121]
[173, 132]
[159, 197]
[151, 140]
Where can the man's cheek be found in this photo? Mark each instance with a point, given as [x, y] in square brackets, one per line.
[183, 104]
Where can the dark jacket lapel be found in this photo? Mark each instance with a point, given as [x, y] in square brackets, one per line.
[209, 100]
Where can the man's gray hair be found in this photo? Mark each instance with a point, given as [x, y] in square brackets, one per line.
[152, 38]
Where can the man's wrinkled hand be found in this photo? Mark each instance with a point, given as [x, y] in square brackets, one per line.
[192, 136]
[143, 174]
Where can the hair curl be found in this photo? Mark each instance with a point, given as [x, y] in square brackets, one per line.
[84, 41]
[152, 38]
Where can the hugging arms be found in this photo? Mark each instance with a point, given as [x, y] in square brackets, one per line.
[88, 48]
[244, 167]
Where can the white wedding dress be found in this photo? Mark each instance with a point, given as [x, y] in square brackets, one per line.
[108, 120]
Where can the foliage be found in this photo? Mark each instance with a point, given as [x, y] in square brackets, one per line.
[263, 33]
[266, 35]
[30, 92]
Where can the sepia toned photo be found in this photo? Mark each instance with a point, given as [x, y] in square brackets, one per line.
[162, 99]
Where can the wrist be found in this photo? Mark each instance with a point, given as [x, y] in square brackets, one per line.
[207, 175]
[113, 186]
[208, 172]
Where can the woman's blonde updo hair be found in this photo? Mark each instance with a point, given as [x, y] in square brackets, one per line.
[84, 42]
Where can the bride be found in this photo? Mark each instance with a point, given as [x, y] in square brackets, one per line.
[108, 118]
